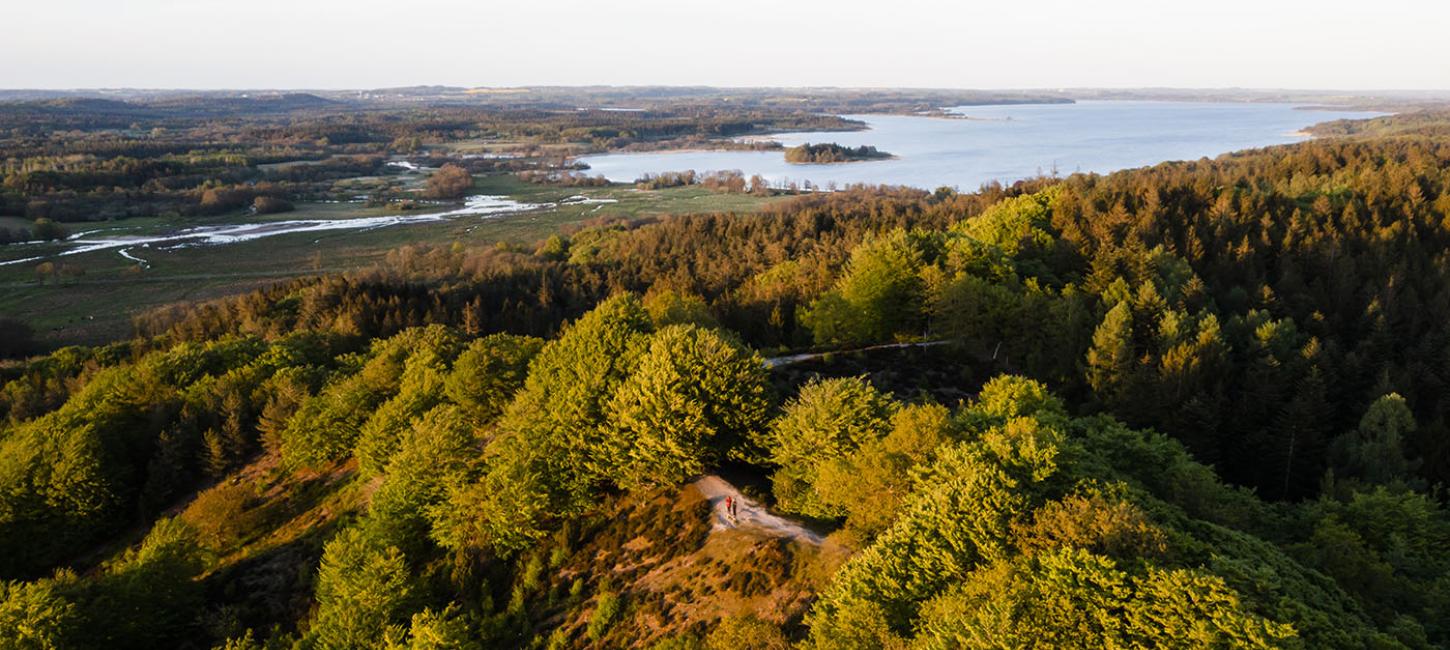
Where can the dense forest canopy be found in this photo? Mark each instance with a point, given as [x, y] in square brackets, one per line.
[1197, 404]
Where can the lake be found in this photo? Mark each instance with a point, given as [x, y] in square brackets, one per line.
[1004, 143]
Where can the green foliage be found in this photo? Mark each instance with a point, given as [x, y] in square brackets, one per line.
[546, 461]
[826, 420]
[1385, 547]
[419, 389]
[1375, 452]
[830, 152]
[327, 427]
[563, 402]
[78, 472]
[1015, 322]
[249, 641]
[1006, 397]
[879, 295]
[1111, 360]
[505, 510]
[746, 633]
[1074, 599]
[670, 307]
[363, 587]
[608, 607]
[1020, 229]
[869, 483]
[433, 452]
[885, 583]
[35, 616]
[607, 403]
[487, 374]
[693, 397]
[555, 247]
[149, 596]
[432, 630]
[1010, 536]
[1094, 520]
[1248, 308]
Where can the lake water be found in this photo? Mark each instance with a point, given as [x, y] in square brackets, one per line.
[1004, 143]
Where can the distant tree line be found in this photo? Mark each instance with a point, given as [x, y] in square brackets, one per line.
[81, 160]
[731, 181]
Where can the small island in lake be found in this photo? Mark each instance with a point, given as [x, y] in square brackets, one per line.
[832, 153]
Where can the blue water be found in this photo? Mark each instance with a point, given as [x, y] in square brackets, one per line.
[1005, 143]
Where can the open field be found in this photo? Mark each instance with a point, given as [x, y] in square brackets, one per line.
[95, 300]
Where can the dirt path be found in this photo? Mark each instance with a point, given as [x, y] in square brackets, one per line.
[749, 514]
[776, 362]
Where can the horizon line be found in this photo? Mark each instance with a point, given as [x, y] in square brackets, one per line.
[1057, 89]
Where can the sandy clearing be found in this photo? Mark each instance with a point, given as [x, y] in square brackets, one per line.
[749, 514]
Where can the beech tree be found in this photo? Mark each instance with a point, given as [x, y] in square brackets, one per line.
[880, 294]
[487, 374]
[363, 588]
[694, 397]
[826, 420]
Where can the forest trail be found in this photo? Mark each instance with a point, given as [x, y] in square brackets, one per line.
[750, 515]
[776, 362]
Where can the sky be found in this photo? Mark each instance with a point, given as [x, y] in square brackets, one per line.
[335, 44]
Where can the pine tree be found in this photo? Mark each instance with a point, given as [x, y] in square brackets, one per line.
[1375, 453]
[1298, 442]
[1111, 359]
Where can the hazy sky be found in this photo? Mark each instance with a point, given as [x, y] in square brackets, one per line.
[1360, 44]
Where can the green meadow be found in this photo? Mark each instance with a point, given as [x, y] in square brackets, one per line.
[92, 296]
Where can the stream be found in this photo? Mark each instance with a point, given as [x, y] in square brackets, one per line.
[219, 235]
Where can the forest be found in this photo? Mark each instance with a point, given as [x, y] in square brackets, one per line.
[1198, 404]
[72, 160]
[75, 156]
[832, 153]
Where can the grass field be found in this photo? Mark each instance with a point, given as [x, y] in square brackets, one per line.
[95, 300]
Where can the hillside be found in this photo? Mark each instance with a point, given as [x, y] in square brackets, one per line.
[1194, 405]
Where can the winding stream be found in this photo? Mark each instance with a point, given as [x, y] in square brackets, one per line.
[224, 234]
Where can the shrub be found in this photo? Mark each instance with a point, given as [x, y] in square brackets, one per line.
[222, 515]
[607, 609]
[271, 205]
[449, 182]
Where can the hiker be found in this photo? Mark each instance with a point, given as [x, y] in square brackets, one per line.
[730, 507]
